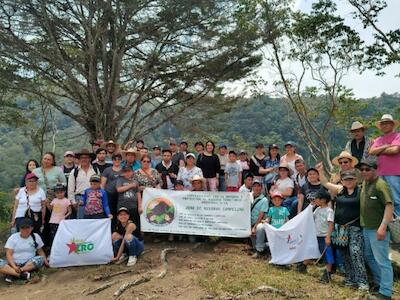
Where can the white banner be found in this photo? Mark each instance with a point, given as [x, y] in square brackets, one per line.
[196, 213]
[295, 241]
[82, 242]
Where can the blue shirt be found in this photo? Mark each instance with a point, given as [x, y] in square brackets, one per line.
[269, 163]
[135, 166]
[261, 206]
[104, 200]
[278, 215]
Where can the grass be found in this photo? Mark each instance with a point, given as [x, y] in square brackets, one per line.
[232, 274]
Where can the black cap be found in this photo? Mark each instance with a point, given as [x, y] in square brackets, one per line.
[348, 174]
[312, 169]
[323, 194]
[25, 223]
[369, 161]
[121, 209]
[178, 182]
[59, 187]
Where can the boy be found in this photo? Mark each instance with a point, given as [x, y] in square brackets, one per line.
[277, 215]
[60, 208]
[233, 173]
[259, 209]
[248, 183]
[95, 200]
[124, 239]
[179, 185]
[323, 218]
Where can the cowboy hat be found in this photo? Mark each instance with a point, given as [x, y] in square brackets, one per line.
[131, 150]
[105, 144]
[356, 125]
[196, 178]
[345, 154]
[387, 118]
[286, 166]
[85, 152]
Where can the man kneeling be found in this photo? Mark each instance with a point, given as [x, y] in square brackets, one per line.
[21, 252]
[125, 244]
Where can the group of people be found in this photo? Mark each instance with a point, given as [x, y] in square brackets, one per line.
[352, 208]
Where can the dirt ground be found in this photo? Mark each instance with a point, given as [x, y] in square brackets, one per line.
[195, 271]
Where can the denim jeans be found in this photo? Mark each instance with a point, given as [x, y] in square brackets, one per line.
[377, 257]
[133, 247]
[291, 204]
[80, 213]
[221, 182]
[394, 184]
[259, 241]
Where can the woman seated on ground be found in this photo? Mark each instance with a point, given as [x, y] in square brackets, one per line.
[125, 244]
[24, 253]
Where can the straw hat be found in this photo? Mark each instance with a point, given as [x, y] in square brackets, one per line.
[130, 150]
[345, 154]
[387, 118]
[356, 125]
[196, 178]
[105, 144]
[286, 166]
[85, 152]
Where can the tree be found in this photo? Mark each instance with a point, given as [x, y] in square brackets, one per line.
[121, 68]
[323, 48]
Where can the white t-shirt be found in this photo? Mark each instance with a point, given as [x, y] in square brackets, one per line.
[323, 215]
[23, 249]
[233, 171]
[243, 188]
[35, 202]
[284, 184]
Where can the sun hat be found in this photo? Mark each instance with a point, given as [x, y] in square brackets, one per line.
[286, 166]
[356, 125]
[84, 151]
[345, 154]
[387, 118]
[196, 178]
[69, 153]
[132, 151]
[105, 144]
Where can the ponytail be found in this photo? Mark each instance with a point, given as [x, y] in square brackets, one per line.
[34, 239]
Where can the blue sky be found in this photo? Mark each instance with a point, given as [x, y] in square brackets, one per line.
[368, 84]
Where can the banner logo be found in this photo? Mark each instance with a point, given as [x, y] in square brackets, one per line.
[293, 241]
[80, 246]
[160, 211]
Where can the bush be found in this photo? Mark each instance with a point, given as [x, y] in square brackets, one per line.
[6, 203]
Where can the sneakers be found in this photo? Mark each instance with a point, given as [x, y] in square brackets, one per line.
[122, 259]
[131, 261]
[25, 276]
[9, 279]
[326, 277]
[301, 268]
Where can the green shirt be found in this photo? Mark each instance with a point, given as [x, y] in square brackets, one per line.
[373, 199]
[278, 215]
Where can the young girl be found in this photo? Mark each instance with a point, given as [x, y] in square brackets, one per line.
[60, 208]
[95, 200]
[277, 215]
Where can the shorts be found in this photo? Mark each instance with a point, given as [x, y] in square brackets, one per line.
[38, 262]
[328, 255]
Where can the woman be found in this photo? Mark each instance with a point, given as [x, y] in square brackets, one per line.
[189, 171]
[30, 202]
[209, 164]
[109, 182]
[147, 176]
[347, 217]
[291, 156]
[31, 165]
[285, 185]
[271, 165]
[257, 161]
[24, 253]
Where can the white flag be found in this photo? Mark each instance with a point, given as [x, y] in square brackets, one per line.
[82, 242]
[295, 241]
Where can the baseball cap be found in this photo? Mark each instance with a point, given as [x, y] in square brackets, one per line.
[121, 209]
[312, 169]
[25, 223]
[348, 174]
[178, 182]
[222, 145]
[370, 161]
[190, 155]
[31, 176]
[95, 178]
[256, 181]
[272, 146]
[157, 147]
[277, 194]
[69, 153]
[59, 187]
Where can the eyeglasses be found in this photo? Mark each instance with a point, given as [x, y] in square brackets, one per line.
[146, 161]
[344, 162]
[365, 169]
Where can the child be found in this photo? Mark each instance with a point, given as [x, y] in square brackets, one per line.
[60, 208]
[248, 183]
[95, 201]
[233, 173]
[179, 185]
[323, 218]
[277, 215]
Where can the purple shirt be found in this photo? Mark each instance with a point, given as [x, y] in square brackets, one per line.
[388, 165]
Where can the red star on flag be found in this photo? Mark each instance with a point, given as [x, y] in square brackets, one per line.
[72, 247]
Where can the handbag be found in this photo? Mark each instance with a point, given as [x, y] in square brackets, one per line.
[340, 235]
[29, 213]
[394, 228]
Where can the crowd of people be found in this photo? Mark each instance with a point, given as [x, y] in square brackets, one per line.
[352, 208]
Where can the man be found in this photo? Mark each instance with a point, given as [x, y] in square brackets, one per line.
[309, 190]
[345, 161]
[301, 177]
[79, 180]
[168, 170]
[376, 211]
[199, 147]
[183, 148]
[111, 148]
[223, 159]
[139, 145]
[130, 159]
[96, 145]
[259, 210]
[156, 156]
[177, 157]
[358, 146]
[144, 151]
[248, 183]
[387, 148]
[69, 163]
[100, 162]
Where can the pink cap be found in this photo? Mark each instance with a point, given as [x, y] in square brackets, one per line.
[277, 194]
[69, 153]
[31, 176]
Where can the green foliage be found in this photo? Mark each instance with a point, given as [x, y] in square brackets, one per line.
[6, 203]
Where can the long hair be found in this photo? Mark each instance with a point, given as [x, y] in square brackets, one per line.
[53, 156]
[27, 164]
[212, 143]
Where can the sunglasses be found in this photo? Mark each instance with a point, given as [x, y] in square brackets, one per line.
[344, 162]
[365, 169]
[146, 161]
